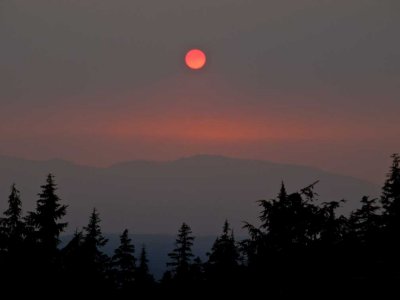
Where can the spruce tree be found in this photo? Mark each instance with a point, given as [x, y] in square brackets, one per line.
[290, 223]
[95, 263]
[12, 225]
[73, 249]
[13, 254]
[365, 222]
[390, 198]
[74, 262]
[181, 256]
[93, 239]
[332, 228]
[197, 270]
[143, 277]
[224, 256]
[45, 220]
[124, 262]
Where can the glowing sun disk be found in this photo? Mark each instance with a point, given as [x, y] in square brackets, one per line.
[195, 59]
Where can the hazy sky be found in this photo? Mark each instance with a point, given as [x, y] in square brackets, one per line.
[313, 82]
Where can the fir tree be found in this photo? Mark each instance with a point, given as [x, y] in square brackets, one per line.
[13, 253]
[45, 220]
[93, 239]
[331, 227]
[74, 261]
[197, 270]
[143, 276]
[290, 224]
[290, 220]
[281, 201]
[390, 198]
[73, 248]
[366, 221]
[224, 256]
[181, 256]
[12, 225]
[95, 263]
[124, 262]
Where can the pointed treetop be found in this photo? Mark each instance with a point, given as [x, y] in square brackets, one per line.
[226, 228]
[14, 203]
[143, 261]
[45, 220]
[282, 193]
[391, 188]
[93, 230]
[143, 275]
[181, 256]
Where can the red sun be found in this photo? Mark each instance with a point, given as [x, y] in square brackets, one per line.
[195, 59]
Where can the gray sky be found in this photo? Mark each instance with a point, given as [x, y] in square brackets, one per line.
[312, 82]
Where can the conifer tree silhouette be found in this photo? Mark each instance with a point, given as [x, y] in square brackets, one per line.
[366, 222]
[290, 224]
[124, 263]
[390, 198]
[143, 262]
[96, 264]
[45, 220]
[298, 241]
[74, 262]
[73, 250]
[223, 260]
[332, 228]
[94, 240]
[364, 241]
[197, 272]
[290, 220]
[12, 226]
[143, 278]
[181, 256]
[13, 256]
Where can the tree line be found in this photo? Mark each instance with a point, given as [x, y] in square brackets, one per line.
[301, 247]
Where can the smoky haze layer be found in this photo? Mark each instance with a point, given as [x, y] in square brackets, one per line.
[101, 81]
[156, 197]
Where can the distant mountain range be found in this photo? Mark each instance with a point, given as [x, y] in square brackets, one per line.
[156, 197]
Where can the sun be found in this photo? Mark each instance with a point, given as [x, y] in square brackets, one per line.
[195, 59]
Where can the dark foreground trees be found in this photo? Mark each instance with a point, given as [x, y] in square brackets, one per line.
[45, 221]
[12, 226]
[302, 246]
[124, 263]
[181, 257]
[223, 263]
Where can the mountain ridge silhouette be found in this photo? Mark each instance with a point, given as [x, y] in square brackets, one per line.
[158, 195]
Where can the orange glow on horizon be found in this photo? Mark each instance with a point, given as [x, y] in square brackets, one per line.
[204, 130]
[195, 59]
